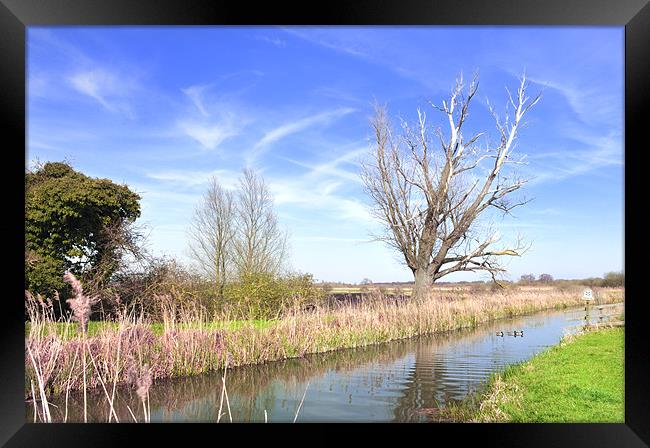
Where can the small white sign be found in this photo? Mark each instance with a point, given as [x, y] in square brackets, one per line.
[587, 294]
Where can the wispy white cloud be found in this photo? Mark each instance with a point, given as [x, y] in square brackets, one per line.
[94, 84]
[218, 103]
[156, 193]
[294, 127]
[312, 197]
[340, 94]
[196, 178]
[592, 104]
[372, 46]
[274, 40]
[331, 167]
[210, 136]
[601, 151]
[106, 87]
[195, 93]
[549, 211]
[333, 41]
[212, 96]
[312, 239]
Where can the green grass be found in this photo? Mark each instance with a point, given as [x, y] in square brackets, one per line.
[581, 380]
[68, 330]
[71, 329]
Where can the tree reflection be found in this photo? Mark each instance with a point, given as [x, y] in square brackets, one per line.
[401, 381]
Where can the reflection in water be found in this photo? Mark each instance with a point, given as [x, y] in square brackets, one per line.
[398, 381]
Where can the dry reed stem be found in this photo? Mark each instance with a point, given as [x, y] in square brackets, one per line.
[131, 412]
[67, 389]
[117, 367]
[85, 400]
[110, 401]
[300, 405]
[46, 410]
[223, 390]
[34, 400]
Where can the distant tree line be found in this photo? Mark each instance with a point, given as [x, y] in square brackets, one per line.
[530, 278]
[609, 279]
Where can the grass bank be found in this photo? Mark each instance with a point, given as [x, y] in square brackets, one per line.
[129, 348]
[579, 380]
[70, 330]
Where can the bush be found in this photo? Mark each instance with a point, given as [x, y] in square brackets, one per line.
[592, 282]
[614, 279]
[265, 296]
[545, 278]
[527, 278]
[162, 285]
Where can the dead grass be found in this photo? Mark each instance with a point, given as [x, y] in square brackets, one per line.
[189, 344]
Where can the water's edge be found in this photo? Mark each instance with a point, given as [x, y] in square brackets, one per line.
[404, 380]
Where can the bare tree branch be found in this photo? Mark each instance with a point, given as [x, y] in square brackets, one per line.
[429, 201]
[211, 233]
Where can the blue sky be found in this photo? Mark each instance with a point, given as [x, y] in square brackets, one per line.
[164, 108]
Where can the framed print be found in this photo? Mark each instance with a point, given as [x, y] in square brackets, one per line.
[409, 213]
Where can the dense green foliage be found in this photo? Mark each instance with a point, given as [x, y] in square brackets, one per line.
[73, 222]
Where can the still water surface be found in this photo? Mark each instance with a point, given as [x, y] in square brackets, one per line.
[403, 381]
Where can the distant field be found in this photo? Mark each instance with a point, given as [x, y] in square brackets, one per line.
[360, 289]
[407, 289]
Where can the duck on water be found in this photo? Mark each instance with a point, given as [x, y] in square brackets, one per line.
[514, 333]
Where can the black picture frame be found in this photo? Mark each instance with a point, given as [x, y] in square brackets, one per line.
[17, 15]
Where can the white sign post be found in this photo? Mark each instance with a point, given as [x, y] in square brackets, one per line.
[587, 296]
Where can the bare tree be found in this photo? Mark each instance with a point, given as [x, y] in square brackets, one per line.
[527, 278]
[259, 244]
[546, 278]
[211, 233]
[429, 198]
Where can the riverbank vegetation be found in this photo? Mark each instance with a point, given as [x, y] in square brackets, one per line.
[579, 380]
[136, 349]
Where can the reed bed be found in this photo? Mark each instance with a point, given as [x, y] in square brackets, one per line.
[129, 352]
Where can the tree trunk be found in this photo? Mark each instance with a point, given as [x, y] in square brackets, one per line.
[423, 283]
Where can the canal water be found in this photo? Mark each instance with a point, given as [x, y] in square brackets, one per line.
[402, 381]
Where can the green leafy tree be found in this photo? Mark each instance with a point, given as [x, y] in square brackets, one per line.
[77, 223]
